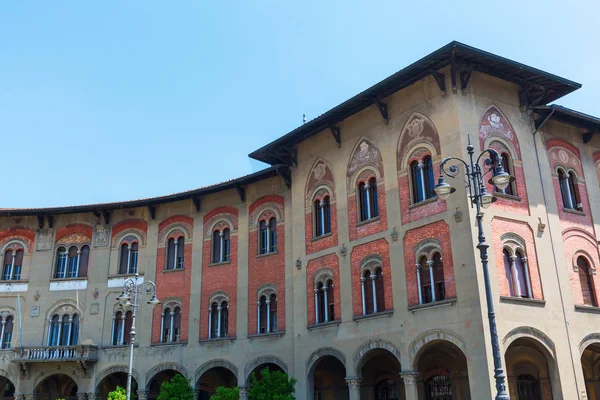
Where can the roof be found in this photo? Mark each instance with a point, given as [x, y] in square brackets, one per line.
[194, 194]
[540, 88]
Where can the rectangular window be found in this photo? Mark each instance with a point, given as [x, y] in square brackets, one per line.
[72, 272]
[6, 274]
[17, 273]
[7, 340]
[426, 294]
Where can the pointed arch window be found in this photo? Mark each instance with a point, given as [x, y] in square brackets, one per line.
[368, 201]
[324, 301]
[129, 258]
[585, 280]
[7, 331]
[218, 319]
[13, 263]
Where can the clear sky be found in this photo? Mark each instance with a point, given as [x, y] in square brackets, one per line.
[118, 100]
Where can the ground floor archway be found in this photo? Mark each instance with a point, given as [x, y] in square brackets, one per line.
[157, 380]
[530, 370]
[443, 372]
[57, 386]
[380, 372]
[7, 389]
[211, 379]
[256, 371]
[110, 383]
[329, 379]
[590, 362]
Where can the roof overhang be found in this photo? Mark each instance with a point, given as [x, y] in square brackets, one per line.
[589, 123]
[537, 88]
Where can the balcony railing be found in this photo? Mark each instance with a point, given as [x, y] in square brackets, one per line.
[79, 353]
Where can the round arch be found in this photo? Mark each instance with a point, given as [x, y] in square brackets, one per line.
[358, 359]
[592, 338]
[164, 367]
[258, 361]
[57, 385]
[112, 370]
[214, 364]
[316, 355]
[420, 344]
[531, 333]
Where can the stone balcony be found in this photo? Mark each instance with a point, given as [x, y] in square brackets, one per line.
[83, 355]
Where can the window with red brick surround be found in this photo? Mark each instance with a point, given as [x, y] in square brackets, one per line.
[371, 278]
[320, 212]
[322, 272]
[586, 282]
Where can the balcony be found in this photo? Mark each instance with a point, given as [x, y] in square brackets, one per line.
[80, 354]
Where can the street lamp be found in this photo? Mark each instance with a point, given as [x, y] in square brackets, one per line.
[480, 197]
[129, 298]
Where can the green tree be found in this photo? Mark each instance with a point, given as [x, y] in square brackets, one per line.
[118, 394]
[225, 393]
[271, 386]
[178, 388]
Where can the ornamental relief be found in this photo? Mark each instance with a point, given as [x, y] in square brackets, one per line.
[494, 123]
[101, 236]
[74, 238]
[220, 221]
[563, 157]
[266, 212]
[365, 154]
[319, 175]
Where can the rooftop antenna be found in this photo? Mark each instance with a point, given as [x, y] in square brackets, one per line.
[303, 118]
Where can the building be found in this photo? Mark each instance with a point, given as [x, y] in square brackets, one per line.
[336, 264]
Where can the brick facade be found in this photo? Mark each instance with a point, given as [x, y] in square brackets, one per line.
[381, 248]
[331, 262]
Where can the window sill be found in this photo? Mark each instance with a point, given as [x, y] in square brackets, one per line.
[422, 203]
[523, 301]
[15, 281]
[272, 253]
[218, 264]
[168, 271]
[437, 304]
[386, 313]
[117, 347]
[324, 325]
[368, 221]
[317, 238]
[166, 344]
[79, 278]
[217, 340]
[587, 309]
[125, 276]
[572, 211]
[507, 196]
[266, 335]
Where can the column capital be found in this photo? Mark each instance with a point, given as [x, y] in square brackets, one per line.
[430, 263]
[418, 266]
[363, 279]
[513, 258]
[142, 395]
[373, 277]
[219, 308]
[524, 259]
[353, 382]
[316, 290]
[410, 377]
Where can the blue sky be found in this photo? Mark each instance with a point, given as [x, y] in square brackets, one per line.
[117, 100]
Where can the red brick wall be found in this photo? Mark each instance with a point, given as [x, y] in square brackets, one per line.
[437, 230]
[381, 248]
[219, 277]
[362, 229]
[330, 261]
[419, 211]
[500, 226]
[266, 269]
[513, 205]
[578, 242]
[173, 283]
[139, 224]
[82, 229]
[20, 233]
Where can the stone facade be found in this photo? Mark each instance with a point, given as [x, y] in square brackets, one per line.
[401, 348]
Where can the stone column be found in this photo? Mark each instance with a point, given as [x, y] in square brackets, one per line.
[410, 385]
[93, 396]
[81, 396]
[32, 396]
[353, 388]
[142, 395]
[243, 393]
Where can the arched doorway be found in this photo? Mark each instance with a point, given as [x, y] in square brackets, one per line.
[7, 389]
[110, 383]
[329, 379]
[157, 380]
[590, 362]
[213, 378]
[380, 372]
[443, 370]
[528, 369]
[58, 386]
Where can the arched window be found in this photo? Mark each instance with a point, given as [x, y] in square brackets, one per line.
[508, 272]
[586, 283]
[320, 290]
[424, 281]
[63, 330]
[268, 236]
[422, 180]
[176, 325]
[368, 201]
[84, 256]
[61, 262]
[517, 274]
[322, 218]
[438, 277]
[218, 319]
[438, 387]
[7, 331]
[72, 263]
[507, 165]
[13, 263]
[175, 253]
[574, 190]
[118, 329]
[324, 300]
[379, 291]
[221, 246]
[330, 301]
[74, 330]
[273, 313]
[54, 329]
[367, 293]
[166, 325]
[262, 314]
[569, 190]
[129, 258]
[528, 387]
[216, 246]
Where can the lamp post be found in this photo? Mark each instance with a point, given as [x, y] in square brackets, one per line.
[481, 198]
[129, 298]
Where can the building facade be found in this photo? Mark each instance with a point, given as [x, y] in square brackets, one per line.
[337, 264]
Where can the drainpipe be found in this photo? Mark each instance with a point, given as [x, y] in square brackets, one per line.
[562, 303]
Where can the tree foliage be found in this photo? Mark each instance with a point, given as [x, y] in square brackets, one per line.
[225, 393]
[178, 388]
[271, 386]
[118, 394]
